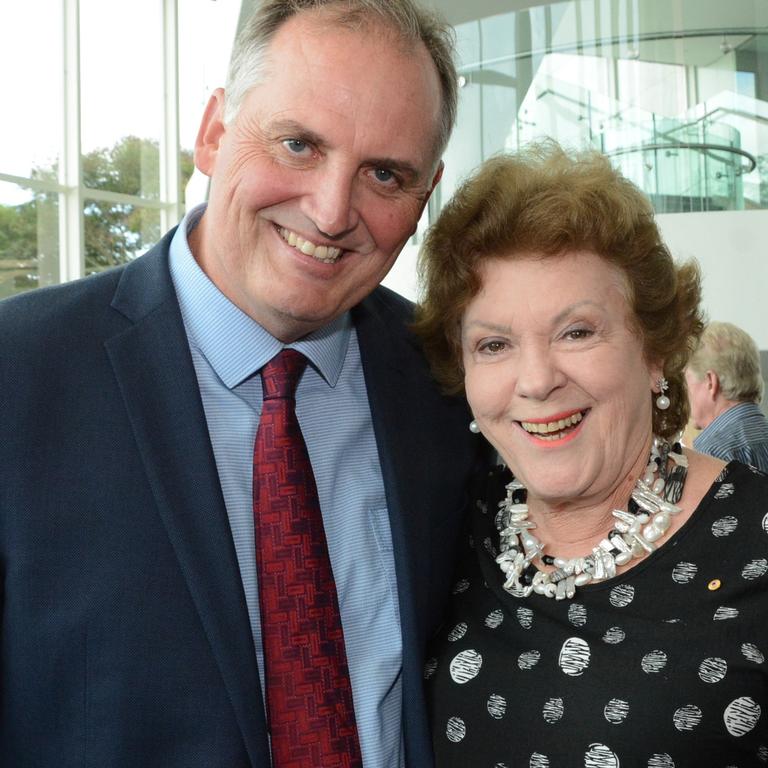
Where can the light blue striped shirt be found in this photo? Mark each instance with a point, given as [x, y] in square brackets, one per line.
[740, 433]
[228, 349]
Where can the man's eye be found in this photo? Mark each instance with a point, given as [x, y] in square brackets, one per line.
[383, 175]
[296, 146]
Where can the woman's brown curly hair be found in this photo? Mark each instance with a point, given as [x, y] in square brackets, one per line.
[548, 202]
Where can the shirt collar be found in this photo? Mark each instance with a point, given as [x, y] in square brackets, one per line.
[234, 344]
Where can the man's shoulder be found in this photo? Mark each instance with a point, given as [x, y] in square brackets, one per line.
[386, 303]
[740, 425]
[82, 303]
[75, 318]
[53, 305]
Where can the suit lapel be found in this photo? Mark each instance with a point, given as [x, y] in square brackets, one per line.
[424, 462]
[156, 377]
[424, 477]
[390, 384]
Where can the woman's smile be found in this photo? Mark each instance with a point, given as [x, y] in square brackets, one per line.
[555, 429]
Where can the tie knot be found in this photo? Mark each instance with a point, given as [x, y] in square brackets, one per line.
[281, 375]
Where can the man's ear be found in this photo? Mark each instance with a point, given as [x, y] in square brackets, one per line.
[438, 175]
[435, 180]
[211, 131]
[713, 384]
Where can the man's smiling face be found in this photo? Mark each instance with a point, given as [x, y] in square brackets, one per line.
[321, 178]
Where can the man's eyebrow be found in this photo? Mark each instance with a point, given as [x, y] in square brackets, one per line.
[403, 167]
[290, 128]
[295, 130]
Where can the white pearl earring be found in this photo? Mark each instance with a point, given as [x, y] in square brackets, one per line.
[662, 401]
[474, 427]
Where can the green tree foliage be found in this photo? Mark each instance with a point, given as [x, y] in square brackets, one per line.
[18, 232]
[114, 232]
[118, 232]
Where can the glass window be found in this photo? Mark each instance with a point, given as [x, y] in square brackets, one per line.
[206, 34]
[121, 66]
[115, 233]
[29, 239]
[31, 62]
[677, 98]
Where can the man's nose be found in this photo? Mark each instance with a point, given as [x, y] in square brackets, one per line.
[332, 207]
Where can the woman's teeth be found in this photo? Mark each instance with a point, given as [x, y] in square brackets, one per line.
[552, 430]
[325, 253]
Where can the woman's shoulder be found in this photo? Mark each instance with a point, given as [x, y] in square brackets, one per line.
[711, 479]
[703, 472]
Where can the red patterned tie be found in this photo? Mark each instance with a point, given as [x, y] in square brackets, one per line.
[309, 697]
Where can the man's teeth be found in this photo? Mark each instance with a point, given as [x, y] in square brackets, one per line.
[325, 253]
[551, 430]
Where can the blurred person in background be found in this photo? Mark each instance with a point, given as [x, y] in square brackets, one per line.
[725, 387]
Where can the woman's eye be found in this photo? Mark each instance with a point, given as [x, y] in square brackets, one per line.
[296, 146]
[492, 347]
[578, 333]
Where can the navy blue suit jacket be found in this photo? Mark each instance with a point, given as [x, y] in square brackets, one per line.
[125, 639]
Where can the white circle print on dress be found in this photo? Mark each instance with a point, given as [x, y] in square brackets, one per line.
[455, 729]
[497, 706]
[741, 716]
[600, 756]
[457, 632]
[662, 760]
[687, 718]
[616, 711]
[684, 572]
[653, 662]
[713, 670]
[465, 666]
[553, 710]
[574, 656]
[622, 595]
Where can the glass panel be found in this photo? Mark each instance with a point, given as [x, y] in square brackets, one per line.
[115, 233]
[684, 114]
[206, 35]
[29, 239]
[31, 62]
[132, 166]
[121, 64]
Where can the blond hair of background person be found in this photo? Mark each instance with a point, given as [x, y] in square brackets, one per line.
[725, 388]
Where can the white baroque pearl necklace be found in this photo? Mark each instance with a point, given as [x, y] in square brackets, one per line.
[634, 534]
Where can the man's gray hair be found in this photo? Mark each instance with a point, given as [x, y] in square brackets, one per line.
[412, 23]
[733, 355]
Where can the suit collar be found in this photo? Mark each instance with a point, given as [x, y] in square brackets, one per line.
[154, 370]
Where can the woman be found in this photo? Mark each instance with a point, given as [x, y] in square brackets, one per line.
[610, 606]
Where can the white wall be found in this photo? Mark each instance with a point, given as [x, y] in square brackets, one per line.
[732, 248]
[402, 276]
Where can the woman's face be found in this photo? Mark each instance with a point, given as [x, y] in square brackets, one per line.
[554, 375]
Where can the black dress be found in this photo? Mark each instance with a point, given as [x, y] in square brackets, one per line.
[663, 666]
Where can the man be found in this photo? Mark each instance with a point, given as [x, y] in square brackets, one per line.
[132, 629]
[725, 387]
